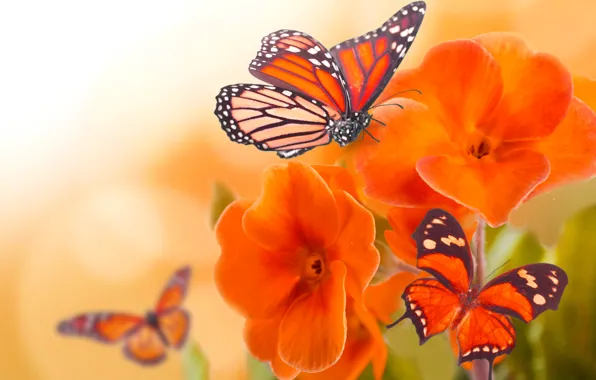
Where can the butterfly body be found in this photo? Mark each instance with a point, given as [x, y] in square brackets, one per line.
[480, 317]
[145, 338]
[315, 95]
[347, 129]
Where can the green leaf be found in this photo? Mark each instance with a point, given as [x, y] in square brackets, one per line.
[512, 248]
[434, 359]
[222, 197]
[258, 370]
[569, 341]
[396, 368]
[194, 362]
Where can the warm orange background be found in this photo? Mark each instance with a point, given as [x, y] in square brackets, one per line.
[109, 149]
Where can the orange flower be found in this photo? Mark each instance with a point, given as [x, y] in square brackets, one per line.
[499, 124]
[289, 263]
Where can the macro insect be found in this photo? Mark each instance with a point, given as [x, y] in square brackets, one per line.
[315, 95]
[145, 337]
[480, 317]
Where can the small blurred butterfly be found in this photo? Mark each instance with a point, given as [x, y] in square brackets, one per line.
[146, 338]
[317, 95]
[480, 318]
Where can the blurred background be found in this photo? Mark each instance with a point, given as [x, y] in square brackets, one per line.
[109, 150]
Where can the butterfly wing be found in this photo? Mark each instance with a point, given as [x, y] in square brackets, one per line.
[103, 327]
[296, 61]
[369, 61]
[174, 292]
[430, 306]
[525, 292]
[174, 322]
[443, 250]
[174, 325]
[483, 334]
[273, 119]
[145, 346]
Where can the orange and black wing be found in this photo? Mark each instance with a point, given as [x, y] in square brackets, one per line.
[369, 61]
[430, 306]
[483, 334]
[174, 322]
[103, 327]
[295, 61]
[174, 325]
[444, 251]
[145, 346]
[273, 119]
[174, 292]
[525, 292]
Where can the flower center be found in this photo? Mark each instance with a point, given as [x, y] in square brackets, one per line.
[314, 267]
[480, 147]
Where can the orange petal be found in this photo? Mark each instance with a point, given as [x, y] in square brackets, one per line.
[383, 299]
[355, 244]
[283, 371]
[260, 336]
[459, 80]
[253, 280]
[312, 334]
[338, 178]
[585, 89]
[493, 187]
[571, 149]
[537, 89]
[388, 167]
[295, 209]
[364, 343]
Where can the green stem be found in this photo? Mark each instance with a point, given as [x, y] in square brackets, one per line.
[480, 368]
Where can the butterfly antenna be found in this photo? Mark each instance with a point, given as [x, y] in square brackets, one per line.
[379, 121]
[396, 322]
[370, 134]
[496, 269]
[386, 105]
[401, 92]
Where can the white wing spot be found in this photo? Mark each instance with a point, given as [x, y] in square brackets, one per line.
[554, 280]
[286, 93]
[384, 28]
[393, 45]
[312, 51]
[539, 299]
[268, 55]
[423, 321]
[424, 331]
[495, 350]
[476, 349]
[273, 49]
[404, 13]
[293, 49]
[486, 349]
[467, 353]
[314, 61]
[326, 63]
[429, 244]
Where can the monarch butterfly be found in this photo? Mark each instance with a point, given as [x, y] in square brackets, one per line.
[480, 318]
[146, 337]
[316, 95]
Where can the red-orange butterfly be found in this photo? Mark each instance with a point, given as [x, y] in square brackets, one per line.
[317, 95]
[481, 318]
[146, 337]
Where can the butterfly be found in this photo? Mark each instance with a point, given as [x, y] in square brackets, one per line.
[146, 337]
[315, 95]
[481, 318]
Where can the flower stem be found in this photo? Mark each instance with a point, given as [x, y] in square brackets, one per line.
[480, 368]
